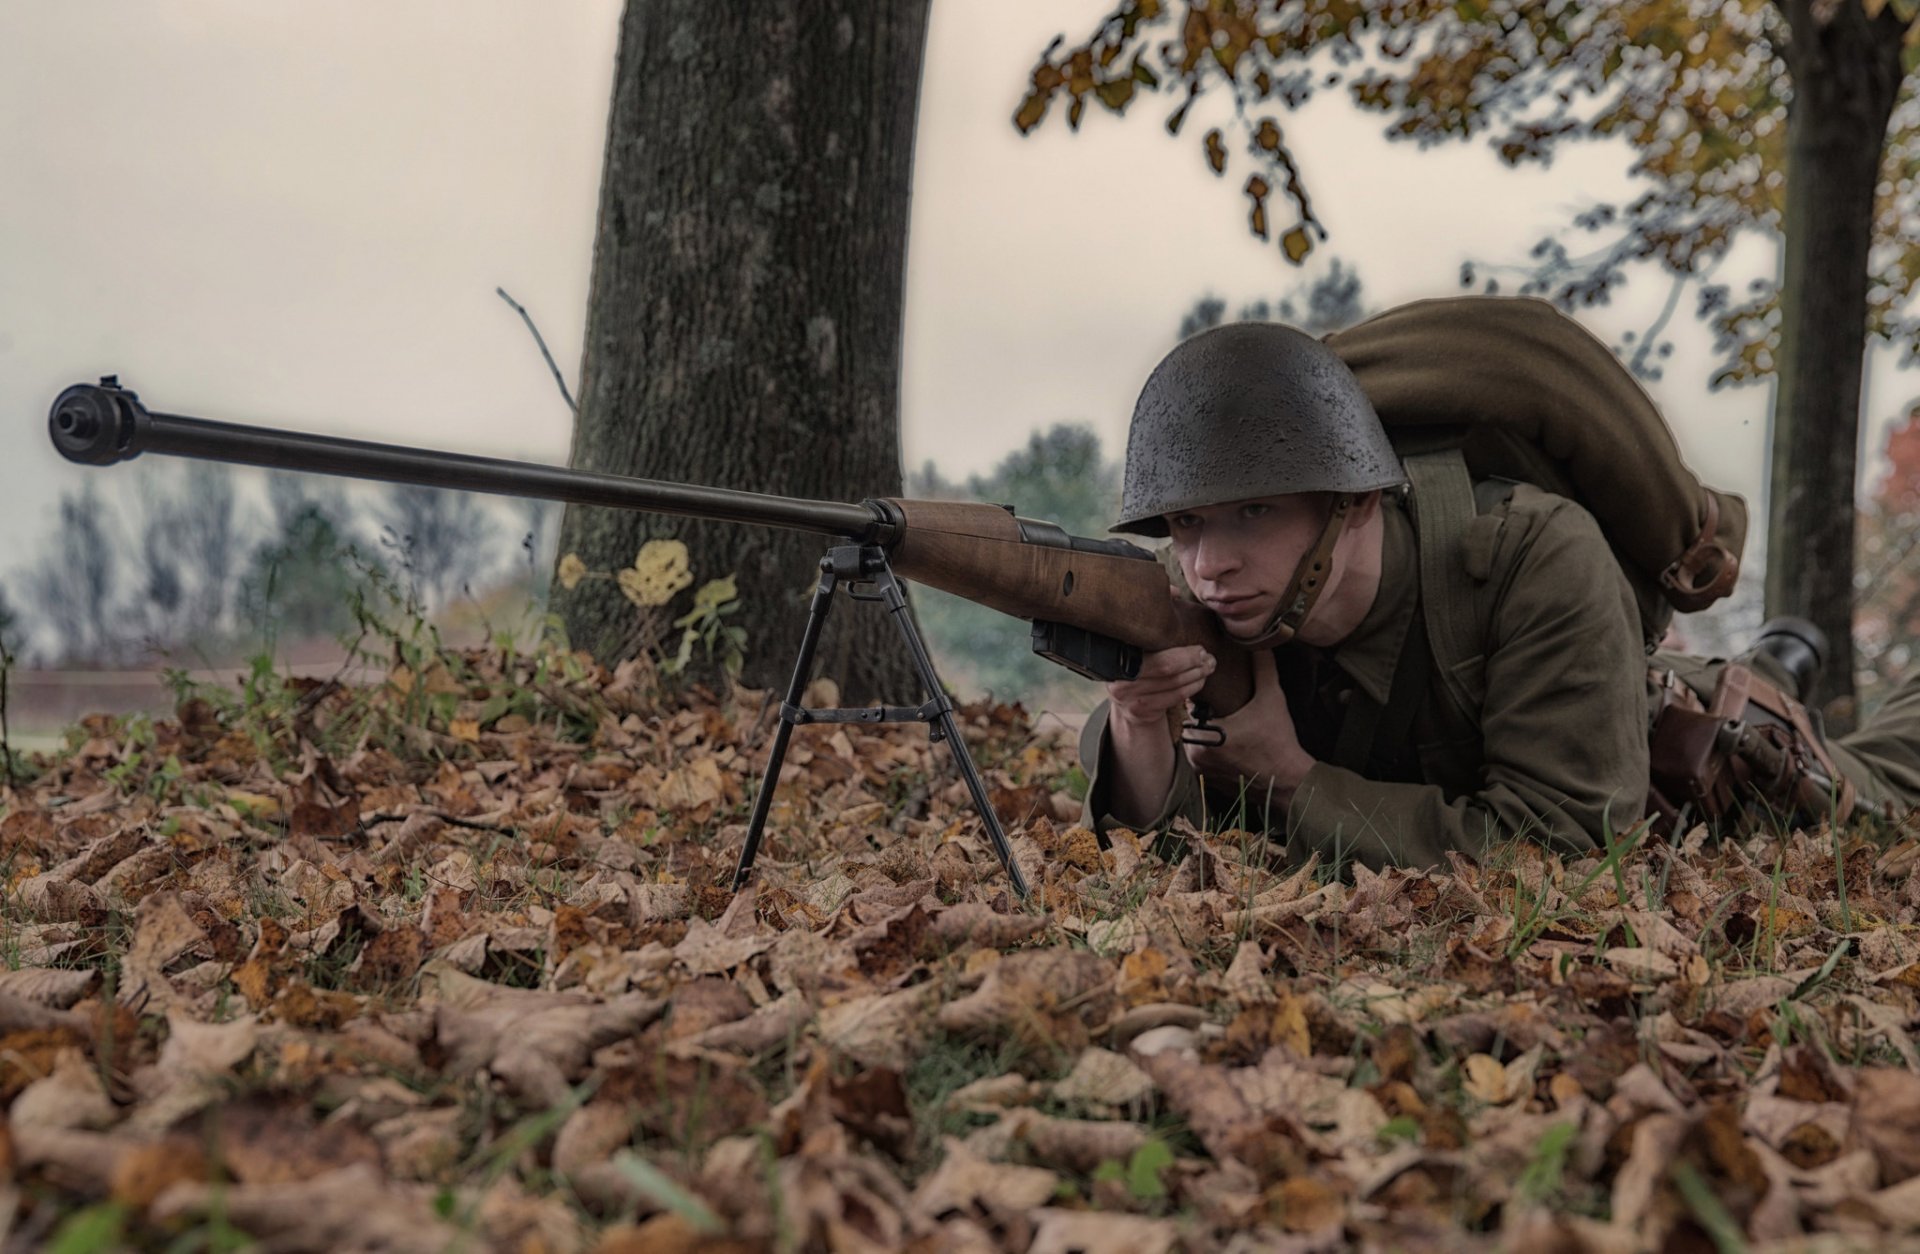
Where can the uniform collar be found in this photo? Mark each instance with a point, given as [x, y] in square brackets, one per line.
[1370, 654]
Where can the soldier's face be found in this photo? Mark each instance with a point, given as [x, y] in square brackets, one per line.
[1239, 557]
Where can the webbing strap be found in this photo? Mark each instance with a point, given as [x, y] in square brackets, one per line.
[1443, 506]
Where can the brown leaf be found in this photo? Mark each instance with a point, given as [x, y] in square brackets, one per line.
[1040, 997]
[162, 931]
[775, 1024]
[976, 923]
[1306, 1204]
[1071, 1231]
[971, 1185]
[537, 1044]
[1216, 151]
[1105, 1079]
[58, 987]
[1886, 1120]
[69, 1097]
[591, 1134]
[880, 1029]
[353, 1208]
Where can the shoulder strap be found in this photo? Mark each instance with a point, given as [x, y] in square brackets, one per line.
[1443, 506]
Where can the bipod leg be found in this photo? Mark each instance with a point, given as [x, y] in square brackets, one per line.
[867, 577]
[796, 690]
[942, 725]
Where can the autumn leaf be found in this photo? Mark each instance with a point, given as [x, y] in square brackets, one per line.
[1216, 151]
[495, 973]
[659, 570]
[1257, 192]
[1296, 244]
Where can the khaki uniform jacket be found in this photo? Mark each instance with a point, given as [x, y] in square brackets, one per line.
[1557, 751]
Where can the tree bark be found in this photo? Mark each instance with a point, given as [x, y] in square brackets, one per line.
[1846, 74]
[743, 326]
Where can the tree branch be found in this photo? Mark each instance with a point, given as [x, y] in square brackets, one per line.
[558, 378]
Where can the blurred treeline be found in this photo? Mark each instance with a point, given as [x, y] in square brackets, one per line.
[176, 561]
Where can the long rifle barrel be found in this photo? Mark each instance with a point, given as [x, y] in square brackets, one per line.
[102, 424]
[1096, 605]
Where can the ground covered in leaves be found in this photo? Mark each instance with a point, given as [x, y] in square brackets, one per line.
[450, 963]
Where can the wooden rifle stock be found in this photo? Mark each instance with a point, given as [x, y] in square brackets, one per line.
[1033, 570]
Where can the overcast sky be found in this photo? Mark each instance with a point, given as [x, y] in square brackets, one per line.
[297, 214]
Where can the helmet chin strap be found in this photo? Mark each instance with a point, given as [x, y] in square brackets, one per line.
[1309, 580]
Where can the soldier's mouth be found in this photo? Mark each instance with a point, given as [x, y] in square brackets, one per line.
[1228, 607]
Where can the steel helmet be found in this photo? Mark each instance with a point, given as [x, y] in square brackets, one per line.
[1246, 410]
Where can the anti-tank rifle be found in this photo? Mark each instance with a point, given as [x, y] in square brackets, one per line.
[1096, 605]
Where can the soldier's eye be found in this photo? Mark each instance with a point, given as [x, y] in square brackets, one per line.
[1185, 522]
[1254, 509]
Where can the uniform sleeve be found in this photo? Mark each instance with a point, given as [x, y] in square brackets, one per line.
[1096, 759]
[1563, 727]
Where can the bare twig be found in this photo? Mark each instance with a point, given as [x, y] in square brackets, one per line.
[6, 746]
[527, 318]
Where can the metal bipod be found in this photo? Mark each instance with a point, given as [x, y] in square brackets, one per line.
[868, 577]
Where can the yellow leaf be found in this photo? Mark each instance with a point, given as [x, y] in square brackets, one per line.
[257, 804]
[467, 729]
[659, 570]
[1487, 1079]
[1267, 135]
[1297, 244]
[401, 677]
[715, 593]
[1290, 1025]
[572, 571]
[1216, 151]
[1306, 1205]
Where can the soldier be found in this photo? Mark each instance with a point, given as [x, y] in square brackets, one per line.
[1255, 451]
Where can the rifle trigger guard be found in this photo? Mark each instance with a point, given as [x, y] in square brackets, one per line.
[1201, 730]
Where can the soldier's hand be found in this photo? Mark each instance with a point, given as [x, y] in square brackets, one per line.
[1168, 679]
[1261, 743]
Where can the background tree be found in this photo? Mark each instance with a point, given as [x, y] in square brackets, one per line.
[74, 584]
[743, 323]
[441, 541]
[1793, 117]
[191, 539]
[300, 583]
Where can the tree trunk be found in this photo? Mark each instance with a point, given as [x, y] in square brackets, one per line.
[743, 325]
[1845, 73]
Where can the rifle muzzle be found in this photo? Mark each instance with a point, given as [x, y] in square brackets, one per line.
[97, 424]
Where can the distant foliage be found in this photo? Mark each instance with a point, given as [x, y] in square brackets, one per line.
[300, 583]
[440, 541]
[1887, 613]
[75, 584]
[190, 562]
[1698, 89]
[1331, 302]
[1061, 475]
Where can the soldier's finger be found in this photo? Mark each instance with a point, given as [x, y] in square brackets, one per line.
[1169, 662]
[1160, 687]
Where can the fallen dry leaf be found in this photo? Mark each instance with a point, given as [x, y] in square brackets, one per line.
[404, 975]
